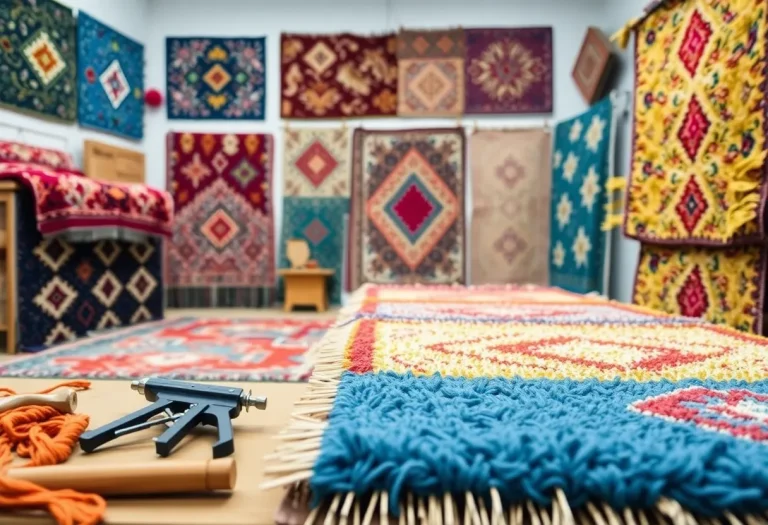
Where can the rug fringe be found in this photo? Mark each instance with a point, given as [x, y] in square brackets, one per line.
[470, 509]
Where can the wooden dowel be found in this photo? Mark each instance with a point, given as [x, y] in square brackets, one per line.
[63, 400]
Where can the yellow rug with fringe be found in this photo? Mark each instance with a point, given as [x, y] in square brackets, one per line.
[488, 405]
[697, 172]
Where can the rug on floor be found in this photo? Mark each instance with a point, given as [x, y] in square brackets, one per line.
[509, 173]
[407, 209]
[201, 349]
[222, 250]
[572, 407]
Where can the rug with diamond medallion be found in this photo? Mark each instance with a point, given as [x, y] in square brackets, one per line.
[509, 70]
[110, 79]
[66, 290]
[215, 78]
[577, 209]
[38, 39]
[509, 170]
[697, 173]
[430, 72]
[222, 249]
[337, 75]
[722, 285]
[407, 220]
[197, 349]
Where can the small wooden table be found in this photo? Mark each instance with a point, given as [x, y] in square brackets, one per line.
[306, 287]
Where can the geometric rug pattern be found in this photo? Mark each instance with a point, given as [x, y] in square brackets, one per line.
[407, 217]
[509, 173]
[214, 349]
[38, 42]
[222, 250]
[68, 289]
[529, 404]
[110, 80]
[215, 78]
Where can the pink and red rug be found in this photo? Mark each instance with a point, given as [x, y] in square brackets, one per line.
[184, 348]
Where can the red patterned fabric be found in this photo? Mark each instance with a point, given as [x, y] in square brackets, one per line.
[334, 76]
[15, 152]
[66, 200]
[223, 235]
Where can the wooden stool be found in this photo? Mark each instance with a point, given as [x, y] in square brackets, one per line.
[306, 287]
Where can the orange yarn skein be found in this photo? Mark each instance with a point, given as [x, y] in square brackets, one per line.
[46, 437]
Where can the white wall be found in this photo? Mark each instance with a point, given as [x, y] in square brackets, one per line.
[625, 251]
[126, 16]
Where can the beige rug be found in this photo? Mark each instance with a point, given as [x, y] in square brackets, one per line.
[511, 180]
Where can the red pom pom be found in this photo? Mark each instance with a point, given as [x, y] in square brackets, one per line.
[153, 98]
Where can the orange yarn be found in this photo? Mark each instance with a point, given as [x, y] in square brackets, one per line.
[46, 437]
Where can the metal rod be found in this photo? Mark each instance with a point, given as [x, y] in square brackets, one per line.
[147, 424]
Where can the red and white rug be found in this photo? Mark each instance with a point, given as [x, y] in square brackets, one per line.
[213, 349]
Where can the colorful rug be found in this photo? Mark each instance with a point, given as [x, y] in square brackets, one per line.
[110, 79]
[724, 286]
[336, 76]
[573, 410]
[67, 289]
[222, 250]
[215, 78]
[38, 39]
[316, 162]
[697, 174]
[430, 67]
[509, 237]
[579, 196]
[407, 217]
[198, 349]
[509, 70]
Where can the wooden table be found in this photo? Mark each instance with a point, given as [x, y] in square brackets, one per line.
[254, 438]
[306, 287]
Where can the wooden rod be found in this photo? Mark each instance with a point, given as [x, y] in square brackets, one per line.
[63, 400]
[157, 477]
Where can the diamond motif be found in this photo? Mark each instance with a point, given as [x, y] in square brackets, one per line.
[220, 229]
[316, 163]
[59, 334]
[430, 84]
[107, 289]
[115, 84]
[692, 205]
[320, 57]
[54, 252]
[141, 251]
[219, 162]
[244, 173]
[445, 44]
[56, 297]
[510, 245]
[107, 251]
[316, 232]
[511, 172]
[140, 315]
[695, 40]
[694, 128]
[108, 320]
[217, 78]
[86, 314]
[141, 285]
[413, 208]
[84, 271]
[420, 45]
[692, 297]
[44, 58]
[738, 412]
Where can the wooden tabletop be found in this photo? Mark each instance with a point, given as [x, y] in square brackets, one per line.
[305, 271]
[254, 438]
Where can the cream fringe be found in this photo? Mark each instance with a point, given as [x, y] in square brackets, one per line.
[290, 466]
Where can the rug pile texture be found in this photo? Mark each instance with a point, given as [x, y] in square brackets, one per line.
[526, 404]
[187, 348]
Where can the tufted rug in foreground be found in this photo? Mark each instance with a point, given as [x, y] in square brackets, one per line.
[499, 404]
[212, 349]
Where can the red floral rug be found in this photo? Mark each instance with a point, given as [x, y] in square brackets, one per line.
[184, 348]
